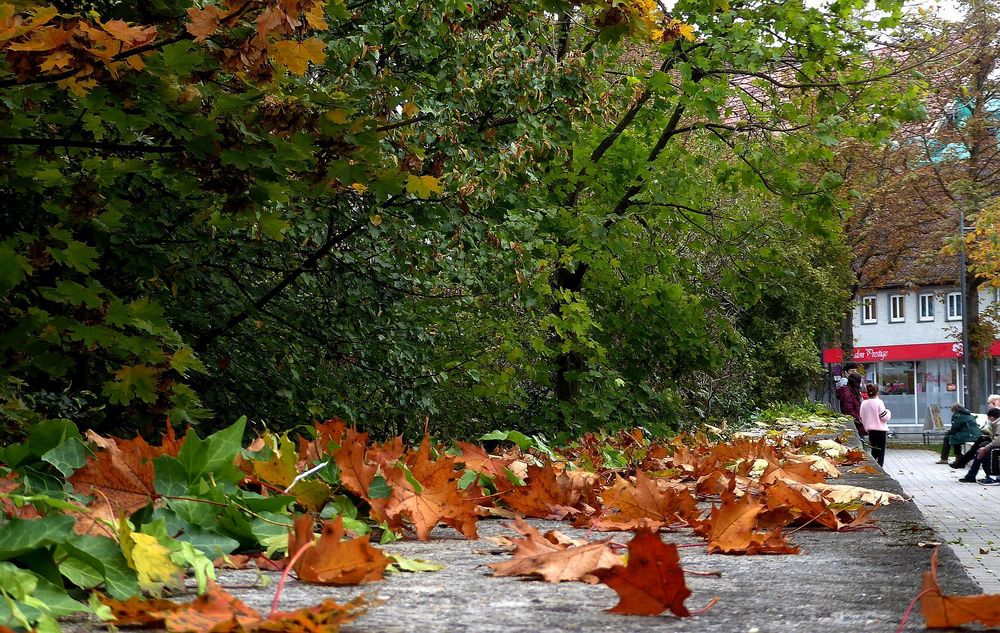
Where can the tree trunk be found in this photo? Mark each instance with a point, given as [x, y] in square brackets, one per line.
[568, 363]
[976, 372]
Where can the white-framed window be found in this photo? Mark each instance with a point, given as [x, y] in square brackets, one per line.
[897, 308]
[926, 307]
[868, 311]
[954, 306]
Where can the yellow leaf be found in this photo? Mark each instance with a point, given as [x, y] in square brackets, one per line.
[376, 219]
[423, 186]
[359, 187]
[410, 110]
[152, 563]
[686, 31]
[315, 18]
[295, 55]
[337, 116]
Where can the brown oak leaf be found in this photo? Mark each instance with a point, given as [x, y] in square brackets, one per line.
[652, 581]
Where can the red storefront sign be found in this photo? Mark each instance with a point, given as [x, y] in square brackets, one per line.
[916, 351]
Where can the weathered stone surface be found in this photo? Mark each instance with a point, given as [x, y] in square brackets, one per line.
[852, 581]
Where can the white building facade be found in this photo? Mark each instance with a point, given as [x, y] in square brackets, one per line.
[908, 342]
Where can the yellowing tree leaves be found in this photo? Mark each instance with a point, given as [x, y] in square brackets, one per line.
[152, 563]
[295, 55]
[204, 22]
[423, 186]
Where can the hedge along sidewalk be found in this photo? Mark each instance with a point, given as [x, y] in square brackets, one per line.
[841, 582]
[966, 516]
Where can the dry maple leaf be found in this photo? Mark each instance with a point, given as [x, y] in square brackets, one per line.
[943, 612]
[436, 498]
[332, 560]
[478, 460]
[625, 505]
[120, 481]
[852, 494]
[733, 528]
[547, 495]
[217, 611]
[572, 563]
[809, 503]
[652, 581]
[355, 471]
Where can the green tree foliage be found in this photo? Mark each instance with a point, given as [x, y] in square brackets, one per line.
[490, 213]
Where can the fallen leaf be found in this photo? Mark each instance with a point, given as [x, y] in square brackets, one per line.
[334, 561]
[627, 504]
[355, 471]
[571, 563]
[851, 494]
[652, 581]
[217, 611]
[547, 495]
[942, 612]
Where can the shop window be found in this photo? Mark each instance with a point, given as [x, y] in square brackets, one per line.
[955, 306]
[868, 313]
[926, 307]
[897, 305]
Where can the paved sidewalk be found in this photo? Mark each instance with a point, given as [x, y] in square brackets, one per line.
[966, 516]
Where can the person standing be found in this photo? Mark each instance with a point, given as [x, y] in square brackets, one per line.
[850, 401]
[964, 428]
[875, 418]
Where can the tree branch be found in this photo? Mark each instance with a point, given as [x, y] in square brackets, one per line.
[332, 240]
[112, 147]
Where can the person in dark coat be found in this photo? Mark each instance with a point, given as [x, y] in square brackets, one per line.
[964, 428]
[850, 401]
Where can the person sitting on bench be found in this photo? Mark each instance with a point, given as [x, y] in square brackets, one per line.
[964, 428]
[982, 455]
[993, 402]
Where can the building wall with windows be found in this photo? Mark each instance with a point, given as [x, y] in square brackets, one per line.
[908, 342]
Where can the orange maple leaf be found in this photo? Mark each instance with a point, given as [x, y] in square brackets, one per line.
[732, 528]
[478, 460]
[627, 504]
[217, 611]
[438, 500]
[808, 503]
[295, 55]
[334, 561]
[130, 35]
[547, 495]
[355, 471]
[203, 22]
[578, 562]
[652, 581]
[120, 481]
[944, 612]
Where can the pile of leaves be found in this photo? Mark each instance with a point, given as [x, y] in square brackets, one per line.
[100, 525]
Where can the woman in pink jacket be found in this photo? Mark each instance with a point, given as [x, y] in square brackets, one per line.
[875, 418]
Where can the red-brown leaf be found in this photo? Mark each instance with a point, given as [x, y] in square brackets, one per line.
[652, 581]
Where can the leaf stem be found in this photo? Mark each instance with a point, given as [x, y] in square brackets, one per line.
[906, 614]
[284, 575]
